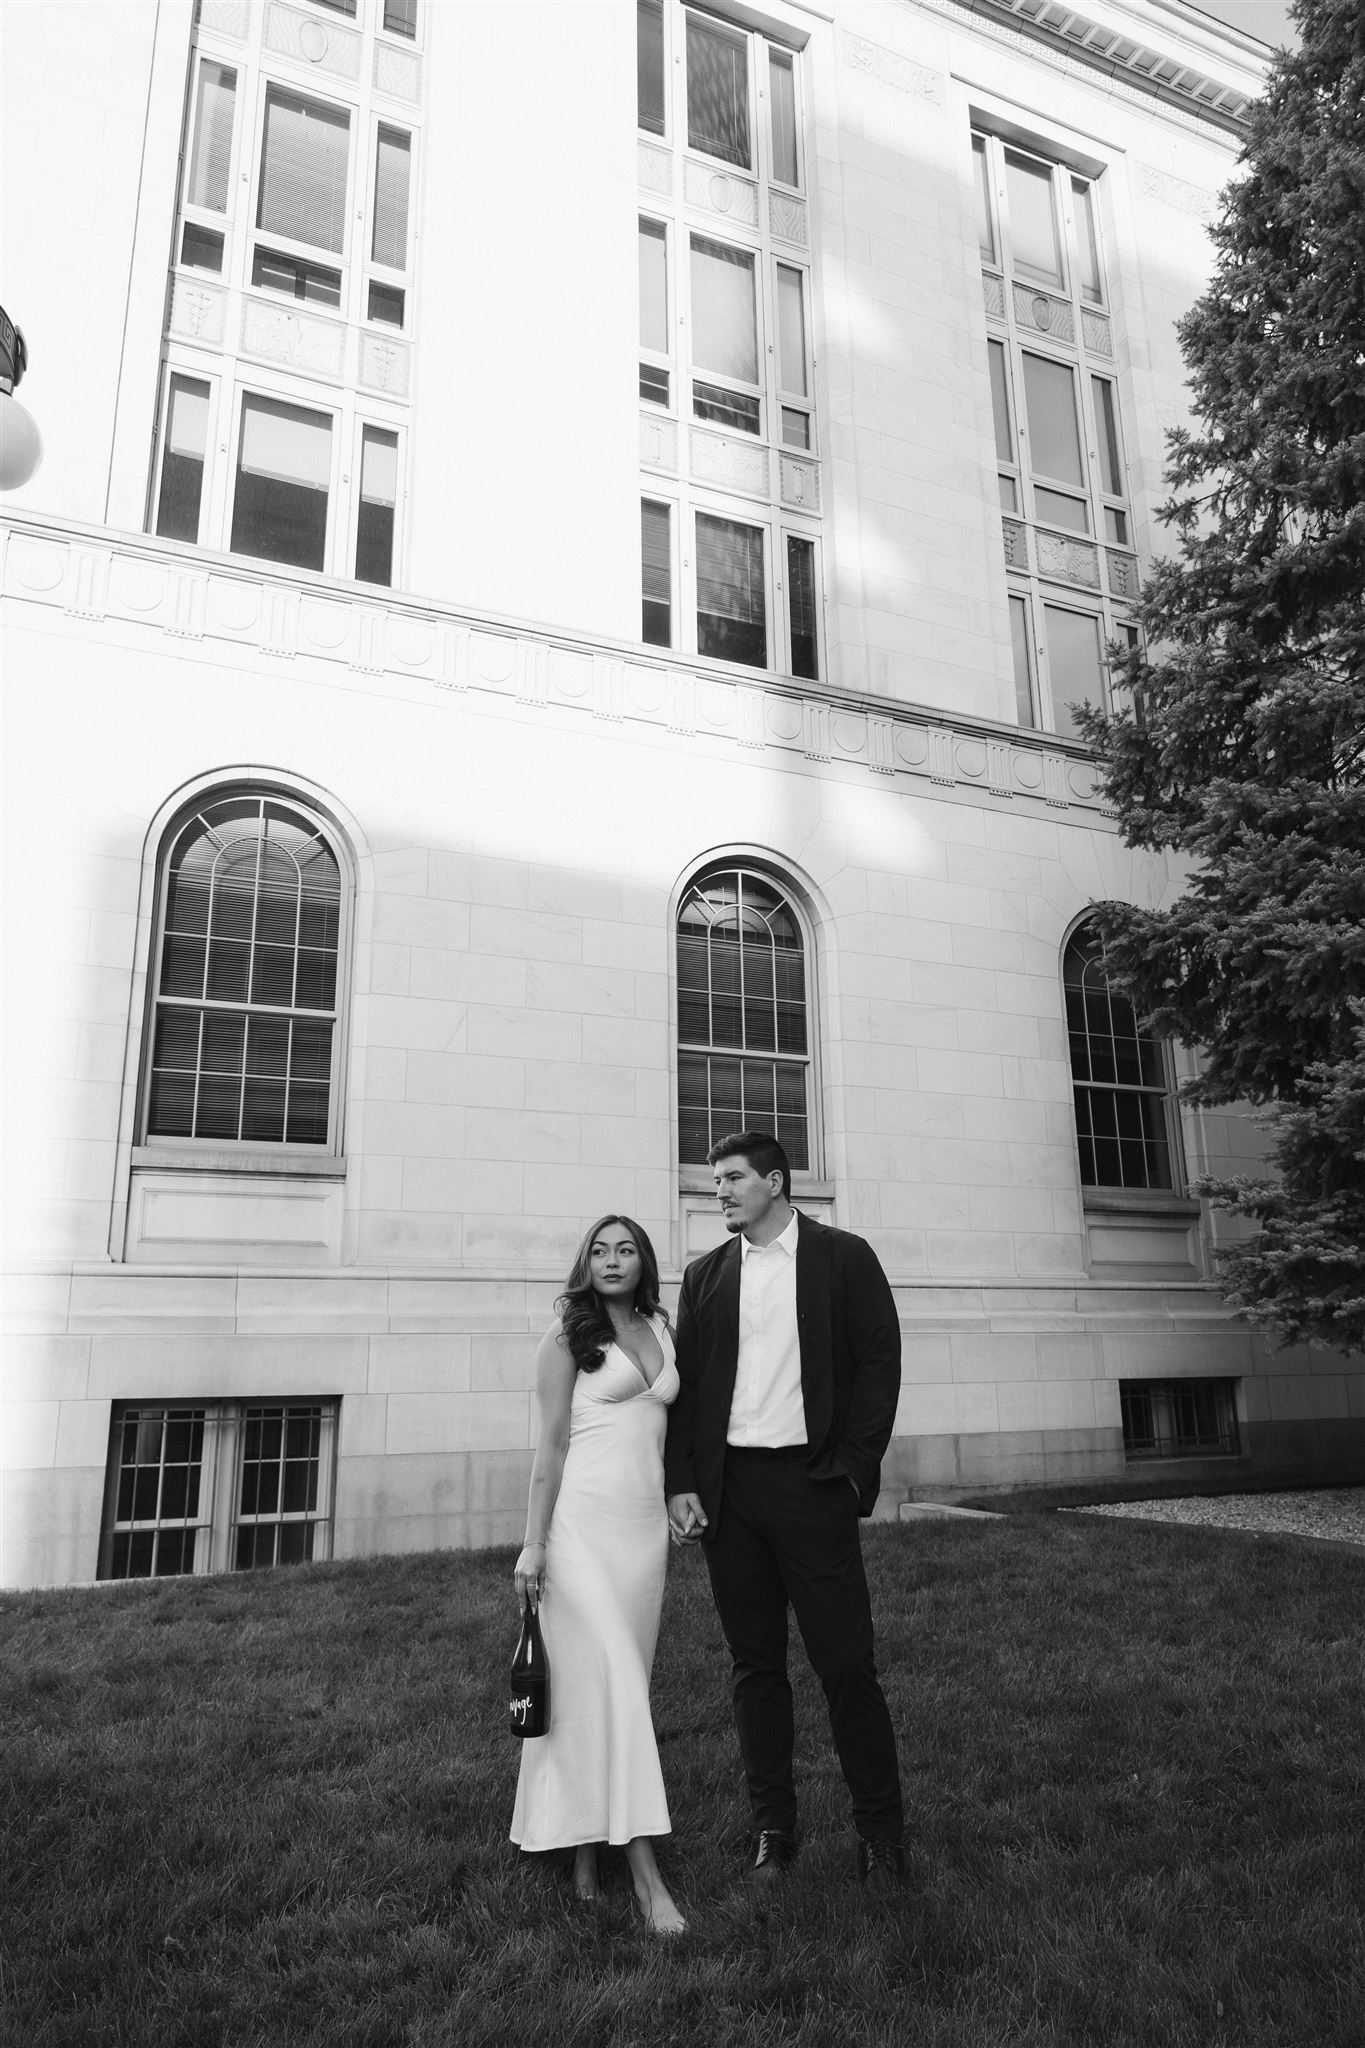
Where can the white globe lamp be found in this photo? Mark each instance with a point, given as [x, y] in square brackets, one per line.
[21, 445]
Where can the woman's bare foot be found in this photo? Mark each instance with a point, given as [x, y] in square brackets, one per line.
[585, 1873]
[661, 1915]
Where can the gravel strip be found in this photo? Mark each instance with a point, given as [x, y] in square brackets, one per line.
[1335, 1513]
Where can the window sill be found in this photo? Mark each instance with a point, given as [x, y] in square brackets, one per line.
[1137, 1202]
[296, 1162]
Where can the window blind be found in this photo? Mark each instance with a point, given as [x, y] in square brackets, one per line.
[303, 170]
[211, 156]
[717, 92]
[389, 244]
[286, 443]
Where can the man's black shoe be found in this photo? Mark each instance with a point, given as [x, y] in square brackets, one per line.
[775, 1852]
[881, 1865]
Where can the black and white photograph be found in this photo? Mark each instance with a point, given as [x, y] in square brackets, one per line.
[683, 961]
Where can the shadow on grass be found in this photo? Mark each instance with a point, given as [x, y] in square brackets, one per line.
[273, 1810]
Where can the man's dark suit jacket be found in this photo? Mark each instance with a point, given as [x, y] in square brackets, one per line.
[850, 1364]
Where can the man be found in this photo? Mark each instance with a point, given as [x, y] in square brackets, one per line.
[788, 1350]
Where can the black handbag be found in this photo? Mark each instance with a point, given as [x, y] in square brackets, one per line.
[529, 1707]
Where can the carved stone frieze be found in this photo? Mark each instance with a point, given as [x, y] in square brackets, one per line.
[198, 311]
[787, 219]
[654, 167]
[385, 365]
[88, 591]
[894, 71]
[815, 730]
[659, 443]
[1177, 192]
[1016, 543]
[152, 590]
[298, 339]
[280, 633]
[731, 465]
[1123, 573]
[720, 192]
[226, 18]
[189, 602]
[881, 745]
[367, 648]
[325, 44]
[942, 756]
[398, 73]
[1043, 313]
[1097, 334]
[1071, 561]
[749, 712]
[800, 483]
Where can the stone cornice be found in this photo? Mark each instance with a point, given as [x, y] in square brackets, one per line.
[1136, 69]
[407, 644]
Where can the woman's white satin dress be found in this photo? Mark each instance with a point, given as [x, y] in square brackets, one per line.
[595, 1777]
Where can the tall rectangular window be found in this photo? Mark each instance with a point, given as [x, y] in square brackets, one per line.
[304, 160]
[279, 1485]
[718, 91]
[378, 502]
[1054, 441]
[791, 355]
[654, 320]
[400, 18]
[211, 154]
[802, 606]
[284, 469]
[985, 211]
[1087, 241]
[1033, 218]
[1073, 661]
[160, 1507]
[782, 117]
[1005, 451]
[182, 463]
[731, 594]
[656, 574]
[1024, 709]
[724, 333]
[649, 65]
[1051, 350]
[393, 165]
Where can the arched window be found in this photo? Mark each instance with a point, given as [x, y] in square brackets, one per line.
[743, 1042]
[1121, 1076]
[244, 1031]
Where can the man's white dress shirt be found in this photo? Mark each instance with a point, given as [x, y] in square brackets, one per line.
[767, 1407]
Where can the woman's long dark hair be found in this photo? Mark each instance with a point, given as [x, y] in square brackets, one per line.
[588, 1329]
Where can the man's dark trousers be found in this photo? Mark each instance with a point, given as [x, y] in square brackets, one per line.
[784, 1536]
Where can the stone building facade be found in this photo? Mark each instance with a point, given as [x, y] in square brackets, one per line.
[545, 629]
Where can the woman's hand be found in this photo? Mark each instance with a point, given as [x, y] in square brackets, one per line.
[529, 1575]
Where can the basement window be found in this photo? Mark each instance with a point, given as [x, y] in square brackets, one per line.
[1179, 1419]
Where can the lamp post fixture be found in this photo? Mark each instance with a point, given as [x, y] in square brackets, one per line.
[21, 445]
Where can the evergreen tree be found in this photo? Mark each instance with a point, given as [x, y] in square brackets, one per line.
[1242, 744]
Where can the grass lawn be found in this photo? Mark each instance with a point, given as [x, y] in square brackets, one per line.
[273, 1809]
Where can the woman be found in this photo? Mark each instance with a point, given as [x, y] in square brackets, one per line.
[593, 1566]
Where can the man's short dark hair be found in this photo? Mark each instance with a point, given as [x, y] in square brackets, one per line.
[762, 1151]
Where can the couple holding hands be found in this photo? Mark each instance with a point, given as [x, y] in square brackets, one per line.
[757, 1429]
